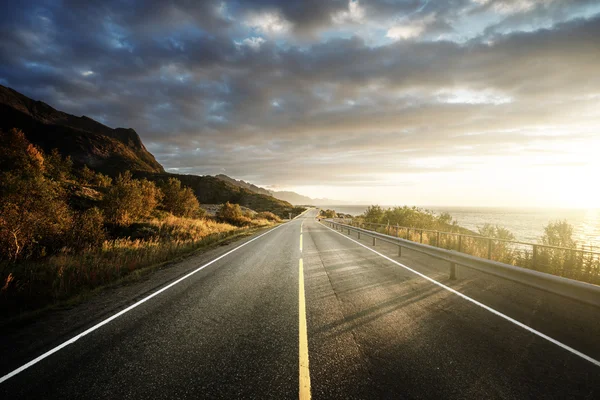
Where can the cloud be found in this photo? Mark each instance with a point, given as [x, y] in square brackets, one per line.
[270, 23]
[258, 88]
[410, 29]
[354, 13]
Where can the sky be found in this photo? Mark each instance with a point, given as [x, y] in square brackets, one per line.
[451, 103]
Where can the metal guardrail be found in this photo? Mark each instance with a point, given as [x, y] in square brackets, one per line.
[581, 291]
[578, 264]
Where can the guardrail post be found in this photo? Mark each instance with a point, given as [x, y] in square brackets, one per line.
[437, 241]
[397, 230]
[459, 243]
[348, 231]
[399, 251]
[373, 240]
[407, 233]
[421, 239]
[534, 258]
[489, 249]
[452, 271]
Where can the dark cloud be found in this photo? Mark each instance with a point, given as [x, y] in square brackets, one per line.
[209, 89]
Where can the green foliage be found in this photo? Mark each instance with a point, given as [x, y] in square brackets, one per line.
[232, 214]
[86, 175]
[17, 154]
[327, 213]
[130, 199]
[180, 201]
[88, 229]
[374, 214]
[297, 210]
[34, 215]
[57, 167]
[559, 234]
[495, 231]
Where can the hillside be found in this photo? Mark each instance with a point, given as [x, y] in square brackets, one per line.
[114, 151]
[290, 197]
[245, 185]
[86, 141]
[212, 190]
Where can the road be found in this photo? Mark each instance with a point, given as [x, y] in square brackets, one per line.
[302, 310]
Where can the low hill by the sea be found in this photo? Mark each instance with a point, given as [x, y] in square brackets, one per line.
[114, 151]
[288, 196]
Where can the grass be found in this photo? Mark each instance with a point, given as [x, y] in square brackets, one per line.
[69, 276]
[568, 263]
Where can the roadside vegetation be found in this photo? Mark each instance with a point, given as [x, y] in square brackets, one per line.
[556, 251]
[65, 232]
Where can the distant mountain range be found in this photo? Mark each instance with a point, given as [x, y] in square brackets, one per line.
[290, 197]
[113, 151]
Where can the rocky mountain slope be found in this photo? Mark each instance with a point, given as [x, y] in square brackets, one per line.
[87, 141]
[114, 151]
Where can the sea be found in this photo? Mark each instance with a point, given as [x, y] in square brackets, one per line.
[526, 224]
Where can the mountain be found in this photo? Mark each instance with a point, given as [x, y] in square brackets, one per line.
[290, 197]
[298, 199]
[212, 190]
[244, 185]
[87, 141]
[113, 151]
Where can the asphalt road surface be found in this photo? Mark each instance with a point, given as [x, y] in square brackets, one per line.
[304, 311]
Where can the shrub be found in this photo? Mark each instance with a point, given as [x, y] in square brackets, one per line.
[374, 214]
[130, 199]
[232, 213]
[57, 167]
[559, 233]
[86, 175]
[180, 201]
[34, 215]
[88, 229]
[328, 213]
[102, 180]
[269, 216]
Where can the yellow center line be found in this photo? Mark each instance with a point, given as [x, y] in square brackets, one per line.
[301, 237]
[303, 339]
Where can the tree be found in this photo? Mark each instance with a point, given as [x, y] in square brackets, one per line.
[86, 175]
[34, 215]
[374, 214]
[232, 213]
[57, 167]
[130, 199]
[180, 201]
[559, 233]
[88, 229]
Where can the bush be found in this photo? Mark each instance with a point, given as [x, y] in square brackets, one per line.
[88, 229]
[232, 214]
[269, 216]
[180, 201]
[57, 167]
[560, 234]
[373, 214]
[327, 213]
[34, 215]
[130, 199]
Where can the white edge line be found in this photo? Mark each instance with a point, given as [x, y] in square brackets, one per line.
[117, 315]
[498, 313]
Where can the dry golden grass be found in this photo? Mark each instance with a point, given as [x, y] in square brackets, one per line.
[34, 284]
